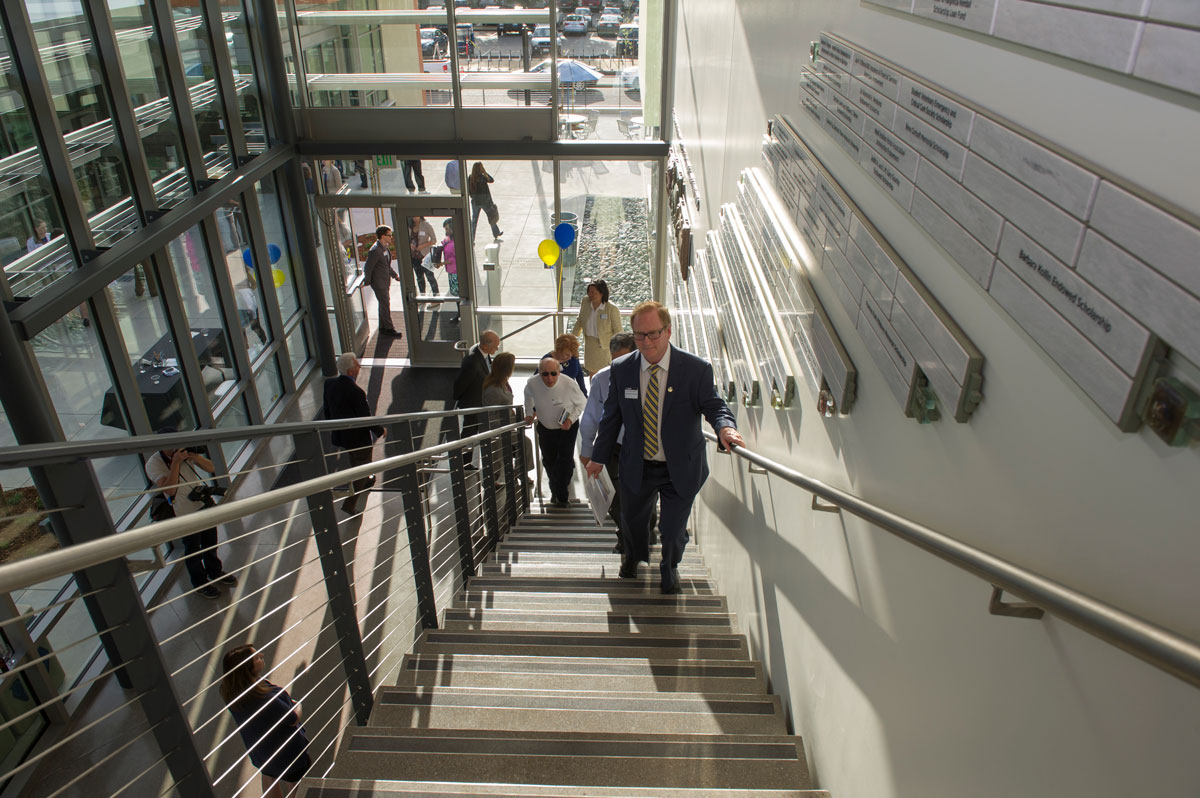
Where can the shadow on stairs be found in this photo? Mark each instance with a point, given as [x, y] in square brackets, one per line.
[552, 677]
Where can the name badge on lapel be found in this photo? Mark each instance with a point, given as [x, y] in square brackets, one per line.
[631, 393]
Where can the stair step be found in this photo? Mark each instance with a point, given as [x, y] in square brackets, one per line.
[664, 761]
[695, 645]
[616, 601]
[585, 673]
[507, 554]
[582, 569]
[451, 707]
[650, 619]
[648, 583]
[357, 788]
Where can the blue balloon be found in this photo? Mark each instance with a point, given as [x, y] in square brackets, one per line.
[247, 258]
[564, 235]
[274, 252]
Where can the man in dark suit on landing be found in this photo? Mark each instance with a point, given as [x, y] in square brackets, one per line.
[659, 394]
[344, 399]
[468, 384]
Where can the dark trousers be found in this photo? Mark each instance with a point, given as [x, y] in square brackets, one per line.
[202, 566]
[637, 510]
[558, 456]
[384, 297]
[360, 457]
[411, 169]
[424, 273]
[472, 425]
[613, 468]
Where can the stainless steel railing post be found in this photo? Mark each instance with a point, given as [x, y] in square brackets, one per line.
[409, 482]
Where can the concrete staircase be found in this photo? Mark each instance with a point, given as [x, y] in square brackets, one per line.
[552, 677]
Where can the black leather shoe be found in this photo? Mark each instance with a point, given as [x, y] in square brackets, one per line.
[628, 570]
[672, 587]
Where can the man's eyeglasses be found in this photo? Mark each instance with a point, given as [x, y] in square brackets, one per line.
[548, 373]
[653, 335]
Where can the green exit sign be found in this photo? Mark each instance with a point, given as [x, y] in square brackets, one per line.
[385, 161]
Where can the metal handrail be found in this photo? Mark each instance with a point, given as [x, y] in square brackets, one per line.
[34, 570]
[1165, 650]
[67, 451]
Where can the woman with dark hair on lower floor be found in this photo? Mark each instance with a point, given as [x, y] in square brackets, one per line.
[267, 718]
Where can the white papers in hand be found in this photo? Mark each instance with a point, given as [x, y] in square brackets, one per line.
[600, 494]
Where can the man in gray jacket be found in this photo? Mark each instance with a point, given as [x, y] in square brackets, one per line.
[379, 275]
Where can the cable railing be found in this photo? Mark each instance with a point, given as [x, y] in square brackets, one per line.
[333, 600]
[1149, 642]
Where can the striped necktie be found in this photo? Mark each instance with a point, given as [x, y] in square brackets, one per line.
[650, 415]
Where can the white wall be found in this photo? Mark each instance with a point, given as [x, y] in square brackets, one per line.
[895, 674]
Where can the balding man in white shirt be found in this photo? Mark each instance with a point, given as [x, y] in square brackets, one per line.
[557, 404]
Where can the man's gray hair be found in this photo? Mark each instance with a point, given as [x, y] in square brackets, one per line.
[345, 362]
[621, 342]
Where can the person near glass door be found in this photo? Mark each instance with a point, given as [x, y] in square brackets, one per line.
[379, 275]
[413, 169]
[481, 200]
[421, 241]
[448, 258]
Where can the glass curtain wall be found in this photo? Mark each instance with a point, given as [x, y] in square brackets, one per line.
[198, 332]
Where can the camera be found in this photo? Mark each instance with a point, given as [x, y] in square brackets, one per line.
[204, 494]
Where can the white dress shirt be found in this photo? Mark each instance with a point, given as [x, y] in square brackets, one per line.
[589, 423]
[548, 403]
[663, 365]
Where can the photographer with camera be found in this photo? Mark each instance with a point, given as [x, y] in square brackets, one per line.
[184, 491]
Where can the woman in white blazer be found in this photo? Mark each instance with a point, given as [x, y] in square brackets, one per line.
[597, 322]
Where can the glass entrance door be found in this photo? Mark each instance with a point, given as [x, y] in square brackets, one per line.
[341, 229]
[438, 289]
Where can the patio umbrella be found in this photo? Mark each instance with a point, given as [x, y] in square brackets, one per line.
[572, 71]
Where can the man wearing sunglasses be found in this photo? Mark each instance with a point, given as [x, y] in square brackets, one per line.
[557, 404]
[658, 396]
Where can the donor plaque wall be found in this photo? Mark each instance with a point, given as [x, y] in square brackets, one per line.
[1155, 40]
[928, 362]
[1093, 269]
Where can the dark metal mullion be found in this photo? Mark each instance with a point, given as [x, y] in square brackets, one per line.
[181, 100]
[266, 280]
[289, 186]
[462, 514]
[259, 29]
[226, 87]
[228, 306]
[273, 73]
[46, 128]
[112, 78]
[181, 331]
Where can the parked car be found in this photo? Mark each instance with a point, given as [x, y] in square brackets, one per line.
[610, 10]
[434, 43]
[631, 79]
[541, 42]
[608, 25]
[575, 25]
[627, 40]
[584, 11]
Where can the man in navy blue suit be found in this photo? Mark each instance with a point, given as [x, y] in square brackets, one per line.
[659, 394]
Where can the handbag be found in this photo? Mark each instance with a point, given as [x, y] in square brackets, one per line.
[160, 508]
[493, 213]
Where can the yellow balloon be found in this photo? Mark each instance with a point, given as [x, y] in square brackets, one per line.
[548, 251]
[279, 277]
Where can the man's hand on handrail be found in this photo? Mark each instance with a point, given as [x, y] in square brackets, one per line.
[728, 437]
